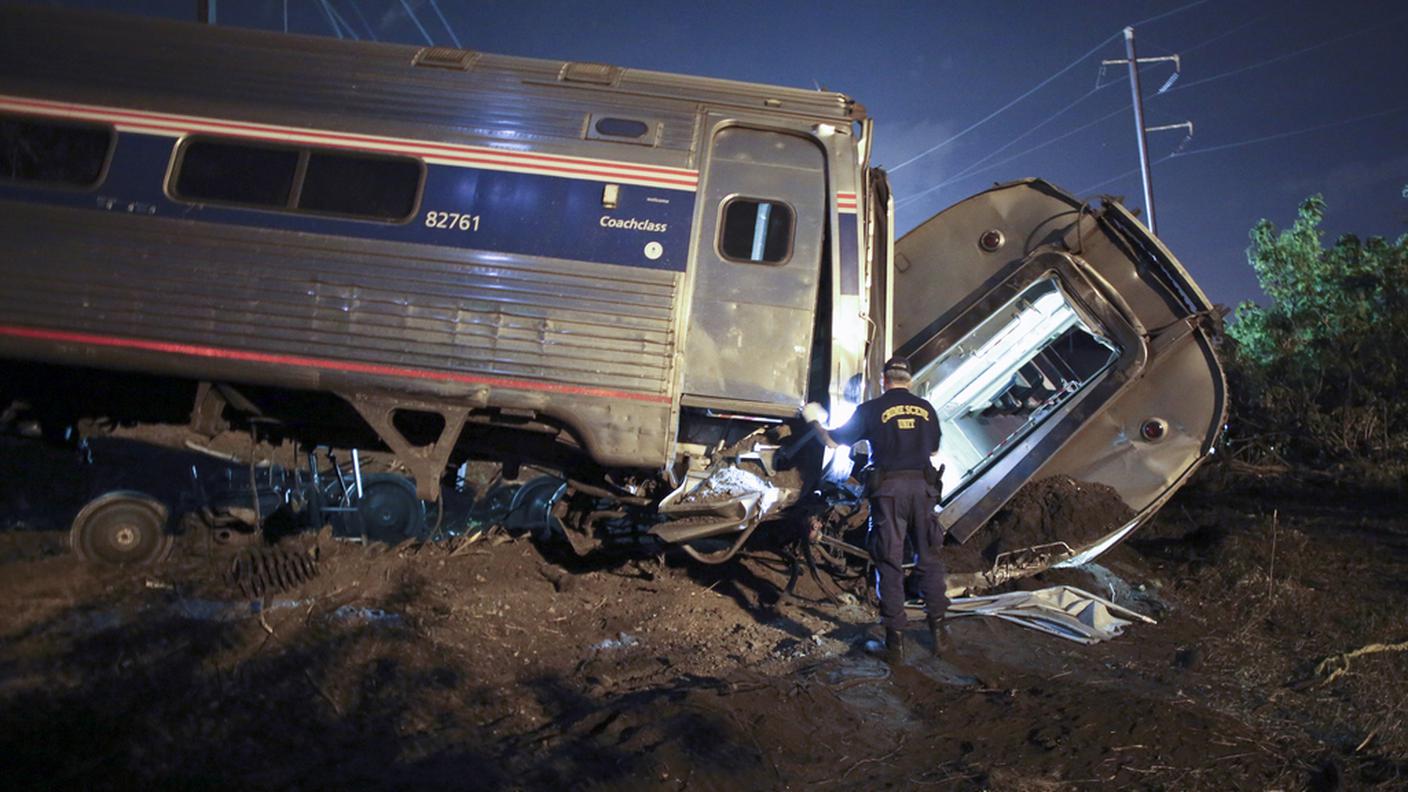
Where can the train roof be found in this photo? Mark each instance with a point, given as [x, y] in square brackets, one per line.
[120, 53]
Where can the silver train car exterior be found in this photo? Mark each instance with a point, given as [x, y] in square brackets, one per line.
[650, 271]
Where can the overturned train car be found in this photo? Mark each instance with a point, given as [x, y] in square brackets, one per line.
[629, 279]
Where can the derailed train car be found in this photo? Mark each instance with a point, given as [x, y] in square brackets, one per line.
[630, 279]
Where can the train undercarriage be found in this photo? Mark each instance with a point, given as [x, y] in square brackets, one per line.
[164, 458]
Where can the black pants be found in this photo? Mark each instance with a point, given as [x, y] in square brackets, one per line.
[904, 506]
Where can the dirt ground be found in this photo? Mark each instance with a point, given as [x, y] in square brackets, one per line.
[1058, 509]
[498, 665]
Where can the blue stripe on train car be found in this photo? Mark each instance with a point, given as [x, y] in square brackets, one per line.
[520, 213]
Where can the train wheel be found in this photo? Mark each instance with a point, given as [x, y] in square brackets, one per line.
[531, 509]
[122, 528]
[389, 509]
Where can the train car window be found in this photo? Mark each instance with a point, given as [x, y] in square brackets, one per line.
[756, 230]
[244, 173]
[621, 127]
[299, 179]
[377, 187]
[53, 152]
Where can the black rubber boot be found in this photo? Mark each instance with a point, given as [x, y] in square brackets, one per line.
[894, 647]
[891, 651]
[938, 632]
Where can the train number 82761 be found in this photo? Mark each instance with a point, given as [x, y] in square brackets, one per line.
[452, 221]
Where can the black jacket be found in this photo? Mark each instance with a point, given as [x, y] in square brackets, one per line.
[902, 428]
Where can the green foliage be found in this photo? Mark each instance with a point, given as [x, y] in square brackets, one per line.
[1320, 369]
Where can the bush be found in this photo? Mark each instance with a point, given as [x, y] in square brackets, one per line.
[1318, 372]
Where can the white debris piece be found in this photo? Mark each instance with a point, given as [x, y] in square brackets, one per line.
[621, 641]
[728, 482]
[1064, 611]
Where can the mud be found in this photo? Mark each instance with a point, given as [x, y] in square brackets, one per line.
[1055, 509]
[484, 665]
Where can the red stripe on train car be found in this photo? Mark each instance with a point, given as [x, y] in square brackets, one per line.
[378, 369]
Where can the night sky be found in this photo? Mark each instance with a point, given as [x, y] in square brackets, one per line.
[1287, 98]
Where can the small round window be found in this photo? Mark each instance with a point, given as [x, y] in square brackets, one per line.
[622, 128]
[756, 230]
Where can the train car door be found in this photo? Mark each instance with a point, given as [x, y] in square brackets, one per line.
[757, 268]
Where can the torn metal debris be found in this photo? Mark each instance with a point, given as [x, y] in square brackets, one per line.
[1063, 611]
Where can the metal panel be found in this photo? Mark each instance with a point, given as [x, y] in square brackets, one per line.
[519, 103]
[1131, 287]
[317, 82]
[1178, 390]
[750, 324]
[515, 326]
[939, 269]
[533, 331]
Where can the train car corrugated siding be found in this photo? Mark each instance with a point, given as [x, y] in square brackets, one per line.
[414, 306]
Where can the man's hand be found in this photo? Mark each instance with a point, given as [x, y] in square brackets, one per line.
[813, 413]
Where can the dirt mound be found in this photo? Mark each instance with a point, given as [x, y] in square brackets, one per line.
[400, 667]
[1055, 509]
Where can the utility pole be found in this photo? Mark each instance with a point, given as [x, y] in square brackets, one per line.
[1139, 129]
[1139, 126]
[205, 11]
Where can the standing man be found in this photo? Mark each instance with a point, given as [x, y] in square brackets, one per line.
[903, 431]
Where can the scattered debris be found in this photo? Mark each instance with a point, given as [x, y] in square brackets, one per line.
[380, 664]
[260, 571]
[725, 484]
[223, 611]
[621, 641]
[1064, 611]
[1338, 665]
[350, 613]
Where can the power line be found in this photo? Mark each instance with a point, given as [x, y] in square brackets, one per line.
[371, 31]
[1052, 141]
[973, 166]
[1041, 85]
[973, 169]
[976, 167]
[1004, 108]
[332, 20]
[341, 20]
[1184, 52]
[1292, 133]
[959, 176]
[1224, 34]
[1250, 142]
[1220, 36]
[1129, 172]
[456, 39]
[1277, 59]
[1157, 17]
[416, 20]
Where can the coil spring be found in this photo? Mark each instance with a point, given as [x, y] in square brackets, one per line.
[260, 571]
